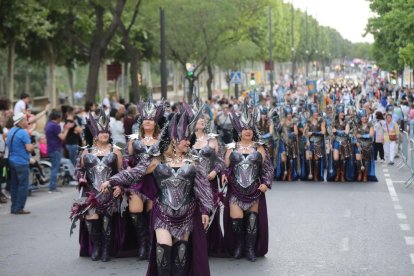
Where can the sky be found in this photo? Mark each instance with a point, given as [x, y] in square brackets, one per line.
[348, 17]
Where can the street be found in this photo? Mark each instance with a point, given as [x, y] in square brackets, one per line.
[315, 229]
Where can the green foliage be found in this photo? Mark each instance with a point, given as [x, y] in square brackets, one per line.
[393, 31]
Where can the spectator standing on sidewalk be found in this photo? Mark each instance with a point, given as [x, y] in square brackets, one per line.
[54, 137]
[73, 138]
[391, 133]
[18, 142]
[379, 136]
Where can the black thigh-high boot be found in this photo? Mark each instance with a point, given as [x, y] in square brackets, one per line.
[138, 220]
[337, 170]
[149, 233]
[238, 233]
[95, 235]
[179, 258]
[163, 257]
[107, 238]
[251, 235]
[359, 170]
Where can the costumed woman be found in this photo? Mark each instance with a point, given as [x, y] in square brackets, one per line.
[315, 145]
[143, 145]
[181, 209]
[341, 145]
[364, 134]
[289, 148]
[95, 209]
[249, 174]
[210, 154]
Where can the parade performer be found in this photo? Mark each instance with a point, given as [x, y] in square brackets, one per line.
[315, 146]
[95, 209]
[144, 145]
[250, 175]
[341, 145]
[181, 208]
[364, 133]
[210, 153]
[289, 149]
[329, 119]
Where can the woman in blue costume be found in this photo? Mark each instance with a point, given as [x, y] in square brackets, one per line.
[364, 133]
[143, 145]
[341, 145]
[102, 235]
[315, 145]
[289, 150]
[350, 166]
[183, 202]
[249, 175]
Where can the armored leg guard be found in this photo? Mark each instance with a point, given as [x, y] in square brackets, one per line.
[107, 238]
[163, 253]
[95, 235]
[251, 235]
[342, 171]
[359, 165]
[179, 258]
[337, 170]
[315, 170]
[237, 229]
[138, 220]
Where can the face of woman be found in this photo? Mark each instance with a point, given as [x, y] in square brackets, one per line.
[103, 137]
[183, 146]
[201, 123]
[341, 115]
[364, 119]
[315, 115]
[389, 118]
[148, 124]
[247, 134]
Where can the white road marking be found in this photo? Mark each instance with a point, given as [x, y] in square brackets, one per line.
[409, 240]
[401, 216]
[386, 174]
[398, 181]
[385, 170]
[397, 207]
[345, 244]
[412, 258]
[405, 227]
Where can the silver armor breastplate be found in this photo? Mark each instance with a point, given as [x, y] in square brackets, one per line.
[98, 171]
[141, 151]
[175, 188]
[246, 171]
[207, 156]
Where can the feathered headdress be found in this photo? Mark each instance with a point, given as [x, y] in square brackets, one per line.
[247, 120]
[98, 124]
[178, 127]
[150, 111]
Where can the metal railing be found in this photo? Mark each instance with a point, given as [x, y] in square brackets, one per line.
[407, 156]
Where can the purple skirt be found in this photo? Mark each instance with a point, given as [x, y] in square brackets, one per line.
[198, 255]
[215, 238]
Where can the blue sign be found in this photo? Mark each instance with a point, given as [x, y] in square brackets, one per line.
[235, 77]
[311, 87]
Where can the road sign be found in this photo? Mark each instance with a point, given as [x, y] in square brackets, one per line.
[311, 86]
[235, 77]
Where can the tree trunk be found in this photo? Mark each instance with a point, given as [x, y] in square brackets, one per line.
[71, 83]
[93, 75]
[133, 70]
[209, 81]
[52, 65]
[10, 71]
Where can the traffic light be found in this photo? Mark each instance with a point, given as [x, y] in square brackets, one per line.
[252, 79]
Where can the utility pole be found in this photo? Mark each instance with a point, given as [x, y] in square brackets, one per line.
[163, 56]
[270, 51]
[293, 45]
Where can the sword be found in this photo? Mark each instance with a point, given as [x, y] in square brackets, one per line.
[222, 190]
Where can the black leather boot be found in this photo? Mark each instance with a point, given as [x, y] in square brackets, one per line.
[95, 235]
[179, 258]
[138, 220]
[238, 232]
[163, 256]
[107, 238]
[251, 235]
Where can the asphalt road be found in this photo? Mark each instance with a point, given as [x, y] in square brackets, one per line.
[315, 229]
